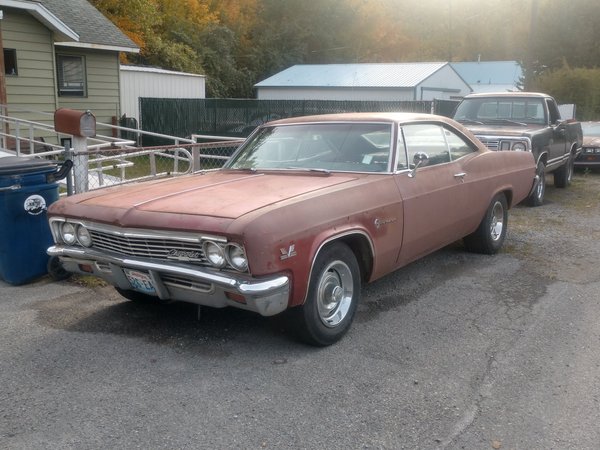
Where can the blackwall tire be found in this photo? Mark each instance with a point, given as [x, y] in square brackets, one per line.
[536, 198]
[333, 295]
[564, 175]
[489, 236]
[56, 270]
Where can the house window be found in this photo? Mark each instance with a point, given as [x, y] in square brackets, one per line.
[71, 75]
[10, 61]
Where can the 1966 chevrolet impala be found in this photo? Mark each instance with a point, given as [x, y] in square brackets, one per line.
[306, 211]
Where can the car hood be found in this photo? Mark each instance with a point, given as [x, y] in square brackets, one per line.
[226, 194]
[591, 141]
[497, 130]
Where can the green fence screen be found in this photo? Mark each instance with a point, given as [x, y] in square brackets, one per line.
[238, 117]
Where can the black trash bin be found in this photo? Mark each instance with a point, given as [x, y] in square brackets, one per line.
[27, 187]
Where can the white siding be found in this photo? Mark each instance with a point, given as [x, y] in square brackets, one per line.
[445, 84]
[144, 82]
[312, 93]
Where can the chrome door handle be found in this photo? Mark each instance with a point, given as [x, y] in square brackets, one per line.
[460, 175]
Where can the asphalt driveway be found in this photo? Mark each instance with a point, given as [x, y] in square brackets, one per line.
[455, 351]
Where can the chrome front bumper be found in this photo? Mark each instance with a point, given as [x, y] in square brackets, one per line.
[182, 282]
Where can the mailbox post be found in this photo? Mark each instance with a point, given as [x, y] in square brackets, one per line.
[81, 125]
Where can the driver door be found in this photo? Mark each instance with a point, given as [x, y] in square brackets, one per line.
[434, 199]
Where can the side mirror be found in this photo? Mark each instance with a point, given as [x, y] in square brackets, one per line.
[419, 159]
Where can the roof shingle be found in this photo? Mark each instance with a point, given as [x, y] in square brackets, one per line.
[89, 23]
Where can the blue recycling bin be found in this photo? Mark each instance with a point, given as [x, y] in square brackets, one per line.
[27, 187]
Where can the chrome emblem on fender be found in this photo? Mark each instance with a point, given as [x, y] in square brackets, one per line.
[288, 252]
[379, 222]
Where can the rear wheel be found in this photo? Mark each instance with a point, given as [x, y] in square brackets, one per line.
[536, 198]
[333, 295]
[490, 235]
[564, 175]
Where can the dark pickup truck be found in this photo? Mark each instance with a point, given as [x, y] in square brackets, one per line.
[525, 121]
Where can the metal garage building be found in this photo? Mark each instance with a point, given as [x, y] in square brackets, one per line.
[396, 82]
[138, 81]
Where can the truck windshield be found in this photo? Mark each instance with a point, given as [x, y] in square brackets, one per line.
[505, 109]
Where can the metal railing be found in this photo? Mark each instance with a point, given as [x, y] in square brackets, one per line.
[107, 160]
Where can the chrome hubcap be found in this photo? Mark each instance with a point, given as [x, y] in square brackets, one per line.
[497, 222]
[334, 293]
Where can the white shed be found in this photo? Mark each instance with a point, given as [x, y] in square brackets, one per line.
[398, 82]
[139, 81]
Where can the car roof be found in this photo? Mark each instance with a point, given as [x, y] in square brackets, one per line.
[508, 94]
[399, 117]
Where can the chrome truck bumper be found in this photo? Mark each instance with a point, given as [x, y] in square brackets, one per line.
[177, 281]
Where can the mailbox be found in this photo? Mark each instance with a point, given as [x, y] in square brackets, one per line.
[77, 123]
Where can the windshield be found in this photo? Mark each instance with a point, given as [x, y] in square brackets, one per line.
[347, 147]
[501, 110]
[591, 129]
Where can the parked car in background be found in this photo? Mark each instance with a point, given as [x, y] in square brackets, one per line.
[590, 153]
[525, 121]
[306, 211]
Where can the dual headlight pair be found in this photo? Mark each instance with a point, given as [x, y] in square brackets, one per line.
[218, 255]
[72, 233]
[232, 254]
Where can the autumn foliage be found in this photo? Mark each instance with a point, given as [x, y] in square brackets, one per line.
[236, 43]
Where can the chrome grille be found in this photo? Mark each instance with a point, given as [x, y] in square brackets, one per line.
[149, 247]
[492, 144]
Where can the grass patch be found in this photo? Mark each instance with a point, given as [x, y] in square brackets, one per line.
[88, 281]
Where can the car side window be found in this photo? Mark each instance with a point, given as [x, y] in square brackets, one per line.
[426, 138]
[401, 160]
[457, 145]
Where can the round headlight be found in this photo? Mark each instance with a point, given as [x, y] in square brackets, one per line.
[214, 254]
[236, 256]
[519, 147]
[67, 233]
[83, 236]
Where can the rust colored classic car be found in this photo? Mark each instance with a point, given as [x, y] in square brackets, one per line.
[305, 211]
[590, 153]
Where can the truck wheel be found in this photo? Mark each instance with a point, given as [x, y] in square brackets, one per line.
[489, 236]
[564, 175]
[536, 198]
[333, 295]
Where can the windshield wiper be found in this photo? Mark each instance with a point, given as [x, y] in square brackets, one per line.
[470, 121]
[513, 122]
[310, 169]
[246, 169]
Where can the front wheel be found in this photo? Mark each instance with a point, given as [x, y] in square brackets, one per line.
[333, 294]
[536, 198]
[489, 236]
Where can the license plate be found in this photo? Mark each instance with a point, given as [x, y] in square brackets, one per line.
[140, 281]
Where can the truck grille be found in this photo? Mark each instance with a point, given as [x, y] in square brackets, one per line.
[149, 247]
[492, 144]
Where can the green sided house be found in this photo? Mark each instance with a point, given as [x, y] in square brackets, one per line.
[59, 54]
